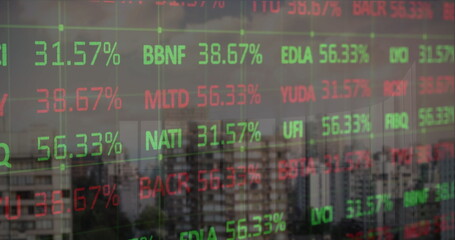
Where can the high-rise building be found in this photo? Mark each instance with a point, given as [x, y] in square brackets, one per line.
[29, 183]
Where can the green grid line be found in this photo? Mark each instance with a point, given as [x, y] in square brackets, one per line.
[263, 90]
[279, 33]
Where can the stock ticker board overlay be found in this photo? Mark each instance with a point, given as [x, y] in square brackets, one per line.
[227, 119]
